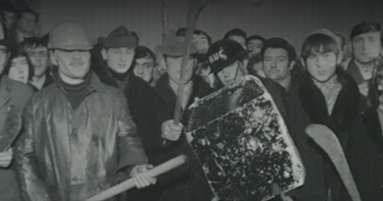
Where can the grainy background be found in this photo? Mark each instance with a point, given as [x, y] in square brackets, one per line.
[292, 19]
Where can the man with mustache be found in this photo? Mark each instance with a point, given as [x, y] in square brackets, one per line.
[366, 46]
[78, 137]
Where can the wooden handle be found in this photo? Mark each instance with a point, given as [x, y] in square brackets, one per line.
[128, 184]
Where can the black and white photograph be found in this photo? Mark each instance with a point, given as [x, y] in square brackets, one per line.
[191, 100]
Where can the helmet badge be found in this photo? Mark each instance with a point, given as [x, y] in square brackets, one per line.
[217, 56]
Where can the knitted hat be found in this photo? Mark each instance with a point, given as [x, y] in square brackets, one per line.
[329, 33]
[175, 46]
[120, 37]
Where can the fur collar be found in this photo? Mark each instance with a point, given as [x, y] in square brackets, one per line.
[345, 109]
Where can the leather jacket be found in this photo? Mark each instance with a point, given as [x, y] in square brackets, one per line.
[44, 151]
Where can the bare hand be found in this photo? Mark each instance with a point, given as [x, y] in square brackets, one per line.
[171, 131]
[141, 179]
[6, 158]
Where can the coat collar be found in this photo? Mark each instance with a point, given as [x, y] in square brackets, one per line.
[346, 106]
[354, 71]
[95, 82]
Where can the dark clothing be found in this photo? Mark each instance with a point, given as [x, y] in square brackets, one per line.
[276, 92]
[147, 109]
[75, 93]
[365, 157]
[306, 104]
[12, 93]
[148, 112]
[189, 181]
[101, 129]
[48, 80]
[200, 89]
[297, 120]
[354, 72]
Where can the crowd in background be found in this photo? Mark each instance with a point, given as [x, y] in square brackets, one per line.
[114, 101]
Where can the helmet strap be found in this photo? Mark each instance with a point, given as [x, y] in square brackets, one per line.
[328, 79]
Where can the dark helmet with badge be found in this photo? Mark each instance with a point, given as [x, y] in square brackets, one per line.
[223, 53]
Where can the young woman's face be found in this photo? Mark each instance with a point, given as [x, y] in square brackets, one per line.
[19, 70]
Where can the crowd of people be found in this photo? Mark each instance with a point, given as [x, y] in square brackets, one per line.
[95, 115]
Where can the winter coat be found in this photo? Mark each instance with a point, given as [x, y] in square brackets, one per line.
[297, 120]
[306, 104]
[12, 93]
[110, 142]
[148, 111]
[189, 182]
[365, 157]
[49, 80]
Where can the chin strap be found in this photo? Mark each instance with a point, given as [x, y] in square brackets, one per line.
[328, 79]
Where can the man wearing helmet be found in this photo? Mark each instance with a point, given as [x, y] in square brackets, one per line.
[225, 58]
[78, 137]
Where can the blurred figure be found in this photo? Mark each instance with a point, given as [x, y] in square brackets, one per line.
[344, 45]
[144, 64]
[255, 66]
[8, 15]
[38, 54]
[202, 42]
[254, 44]
[96, 59]
[136, 36]
[200, 38]
[366, 45]
[189, 182]
[12, 94]
[237, 35]
[26, 25]
[19, 67]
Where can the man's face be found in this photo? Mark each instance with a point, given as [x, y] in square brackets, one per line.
[230, 74]
[119, 59]
[240, 40]
[39, 58]
[276, 64]
[9, 19]
[366, 47]
[3, 58]
[143, 68]
[321, 66]
[173, 65]
[74, 64]
[201, 42]
[255, 46]
[19, 70]
[27, 23]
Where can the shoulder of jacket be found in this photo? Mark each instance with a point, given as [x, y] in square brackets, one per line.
[344, 65]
